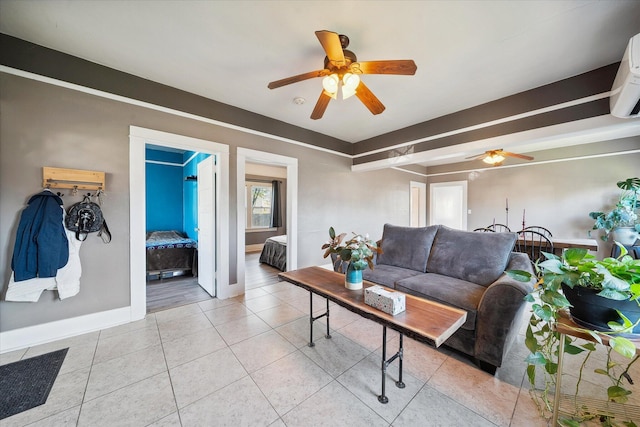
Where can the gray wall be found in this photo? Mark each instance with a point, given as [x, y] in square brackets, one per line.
[44, 125]
[556, 195]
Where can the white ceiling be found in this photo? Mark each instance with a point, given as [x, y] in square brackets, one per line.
[467, 52]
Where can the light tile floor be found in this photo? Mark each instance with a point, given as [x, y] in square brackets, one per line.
[245, 362]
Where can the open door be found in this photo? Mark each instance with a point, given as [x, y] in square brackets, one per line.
[206, 226]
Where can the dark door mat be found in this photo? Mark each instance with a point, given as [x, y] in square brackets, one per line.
[26, 383]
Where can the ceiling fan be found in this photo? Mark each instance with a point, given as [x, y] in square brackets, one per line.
[496, 157]
[342, 71]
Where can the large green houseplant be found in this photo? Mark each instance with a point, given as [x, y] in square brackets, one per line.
[615, 279]
[624, 213]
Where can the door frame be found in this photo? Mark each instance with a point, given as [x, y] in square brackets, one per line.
[422, 200]
[291, 164]
[138, 139]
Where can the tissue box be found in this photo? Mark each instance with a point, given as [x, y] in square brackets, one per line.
[388, 301]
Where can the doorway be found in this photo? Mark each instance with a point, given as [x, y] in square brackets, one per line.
[418, 204]
[291, 223]
[139, 138]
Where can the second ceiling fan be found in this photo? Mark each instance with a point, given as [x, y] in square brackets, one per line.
[342, 71]
[496, 157]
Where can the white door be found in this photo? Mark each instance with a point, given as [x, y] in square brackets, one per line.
[448, 204]
[206, 226]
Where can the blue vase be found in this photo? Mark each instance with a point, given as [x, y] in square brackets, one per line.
[353, 278]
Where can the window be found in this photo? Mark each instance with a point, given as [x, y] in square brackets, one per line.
[258, 205]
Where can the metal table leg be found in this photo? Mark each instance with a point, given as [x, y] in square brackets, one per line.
[313, 319]
[385, 363]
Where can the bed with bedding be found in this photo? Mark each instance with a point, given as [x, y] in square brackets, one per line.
[170, 251]
[274, 252]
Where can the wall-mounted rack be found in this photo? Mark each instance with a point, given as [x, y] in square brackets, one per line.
[73, 178]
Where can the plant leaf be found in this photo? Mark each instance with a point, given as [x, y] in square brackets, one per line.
[572, 349]
[623, 346]
[332, 233]
[617, 394]
[552, 265]
[530, 340]
[536, 358]
[519, 275]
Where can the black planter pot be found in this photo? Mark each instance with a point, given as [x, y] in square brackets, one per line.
[594, 312]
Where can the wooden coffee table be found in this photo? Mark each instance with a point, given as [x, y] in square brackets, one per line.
[423, 320]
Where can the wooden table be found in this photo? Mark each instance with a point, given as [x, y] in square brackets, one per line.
[423, 320]
[560, 243]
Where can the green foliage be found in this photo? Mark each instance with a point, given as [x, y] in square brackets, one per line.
[625, 212]
[359, 250]
[613, 278]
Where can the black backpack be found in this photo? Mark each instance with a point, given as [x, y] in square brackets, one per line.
[86, 217]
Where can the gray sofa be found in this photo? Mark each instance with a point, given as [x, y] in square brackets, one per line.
[466, 270]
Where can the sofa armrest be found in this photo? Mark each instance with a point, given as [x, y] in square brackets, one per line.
[500, 312]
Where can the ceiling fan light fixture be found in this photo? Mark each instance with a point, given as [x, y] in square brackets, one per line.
[331, 84]
[350, 83]
[493, 159]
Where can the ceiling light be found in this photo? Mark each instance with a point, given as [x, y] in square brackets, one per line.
[494, 159]
[330, 84]
[350, 83]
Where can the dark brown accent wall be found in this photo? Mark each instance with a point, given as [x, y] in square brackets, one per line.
[580, 86]
[26, 56]
[577, 112]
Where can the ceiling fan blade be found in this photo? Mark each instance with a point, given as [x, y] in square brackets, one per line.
[321, 105]
[477, 156]
[402, 66]
[330, 42]
[298, 78]
[520, 156]
[369, 99]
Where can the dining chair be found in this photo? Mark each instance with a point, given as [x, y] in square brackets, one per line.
[499, 228]
[540, 230]
[484, 230]
[533, 244]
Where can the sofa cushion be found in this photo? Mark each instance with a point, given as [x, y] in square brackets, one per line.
[467, 255]
[388, 275]
[407, 247]
[446, 290]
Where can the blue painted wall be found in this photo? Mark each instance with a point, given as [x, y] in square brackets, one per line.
[164, 191]
[191, 193]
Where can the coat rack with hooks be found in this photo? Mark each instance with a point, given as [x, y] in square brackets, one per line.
[73, 178]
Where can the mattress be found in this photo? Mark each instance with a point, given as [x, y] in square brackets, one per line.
[170, 250]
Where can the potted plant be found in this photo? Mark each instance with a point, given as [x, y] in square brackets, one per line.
[357, 253]
[623, 216]
[610, 280]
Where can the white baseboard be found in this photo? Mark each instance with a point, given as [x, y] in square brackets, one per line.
[40, 334]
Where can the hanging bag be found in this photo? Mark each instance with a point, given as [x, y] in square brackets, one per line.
[86, 217]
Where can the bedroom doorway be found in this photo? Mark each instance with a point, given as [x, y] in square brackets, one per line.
[217, 233]
[252, 160]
